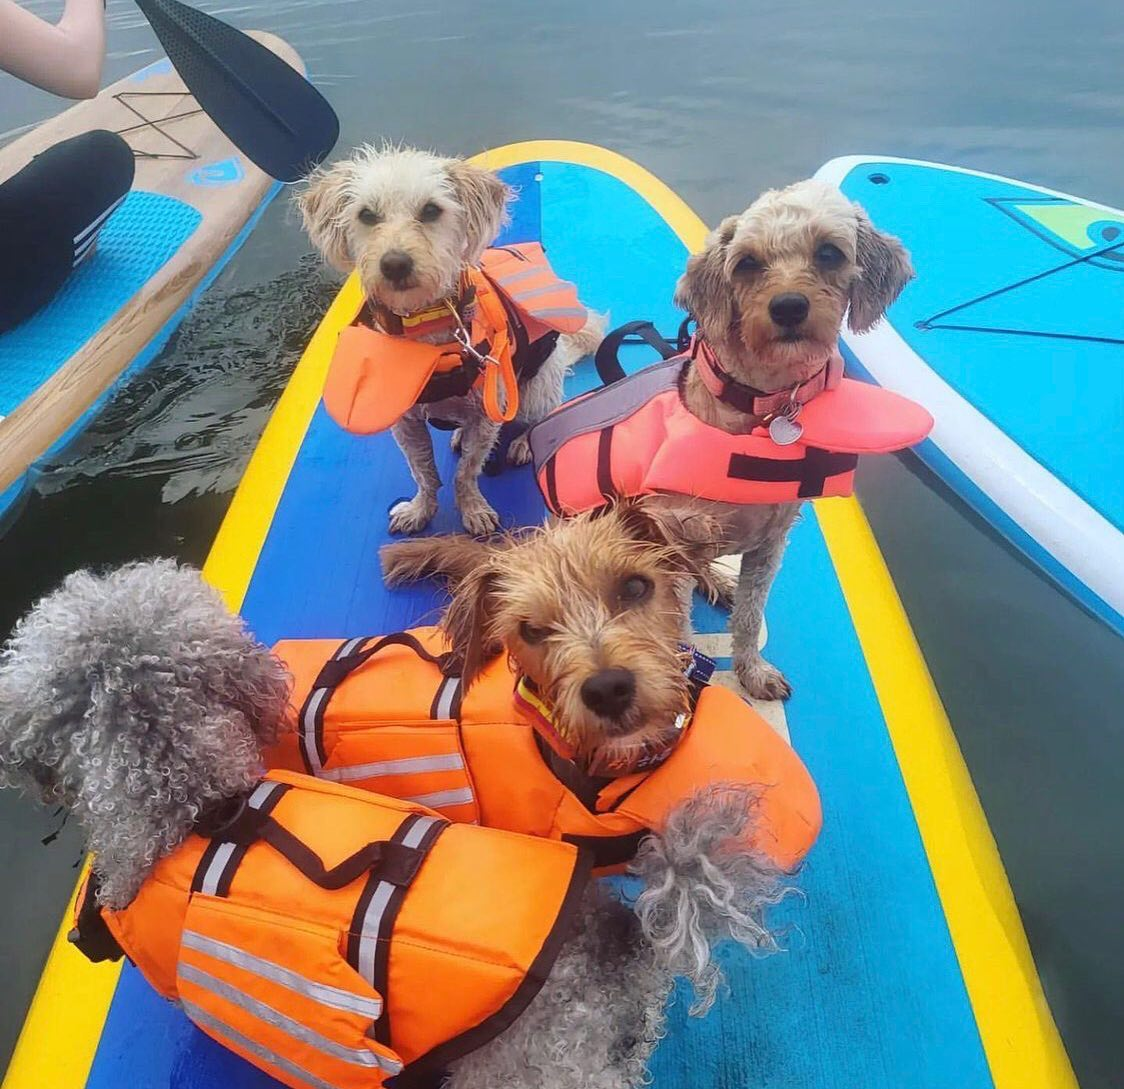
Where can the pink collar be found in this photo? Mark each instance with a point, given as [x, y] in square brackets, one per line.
[755, 402]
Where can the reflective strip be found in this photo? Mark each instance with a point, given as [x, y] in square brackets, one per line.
[537, 292]
[560, 312]
[310, 715]
[452, 761]
[326, 995]
[372, 920]
[207, 1021]
[213, 877]
[313, 711]
[522, 274]
[446, 697]
[462, 796]
[303, 1034]
[97, 222]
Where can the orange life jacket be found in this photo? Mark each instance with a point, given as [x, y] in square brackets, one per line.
[311, 928]
[507, 310]
[390, 715]
[636, 437]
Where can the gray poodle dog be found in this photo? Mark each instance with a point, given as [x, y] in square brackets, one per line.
[136, 700]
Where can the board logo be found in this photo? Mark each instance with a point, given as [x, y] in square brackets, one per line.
[1082, 231]
[224, 172]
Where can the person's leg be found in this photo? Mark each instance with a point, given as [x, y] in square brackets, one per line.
[51, 214]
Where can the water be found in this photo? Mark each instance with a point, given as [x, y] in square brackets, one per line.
[720, 98]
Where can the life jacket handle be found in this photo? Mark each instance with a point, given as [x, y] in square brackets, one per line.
[395, 863]
[609, 368]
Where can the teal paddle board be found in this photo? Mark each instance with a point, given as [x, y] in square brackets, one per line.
[1012, 336]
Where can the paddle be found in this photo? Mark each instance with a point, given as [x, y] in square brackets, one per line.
[267, 109]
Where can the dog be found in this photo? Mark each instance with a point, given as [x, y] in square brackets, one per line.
[769, 292]
[411, 223]
[591, 609]
[137, 701]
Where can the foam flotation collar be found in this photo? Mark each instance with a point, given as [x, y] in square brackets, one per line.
[307, 929]
[390, 714]
[636, 437]
[506, 307]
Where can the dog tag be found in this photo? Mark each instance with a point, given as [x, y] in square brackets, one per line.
[783, 431]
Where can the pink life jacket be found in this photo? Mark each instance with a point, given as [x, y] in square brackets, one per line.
[636, 437]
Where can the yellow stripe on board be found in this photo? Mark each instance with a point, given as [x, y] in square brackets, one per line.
[1023, 1047]
[64, 1022]
[1022, 1044]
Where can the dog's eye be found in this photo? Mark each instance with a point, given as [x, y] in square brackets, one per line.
[369, 216]
[634, 589]
[748, 264]
[532, 633]
[430, 212]
[828, 255]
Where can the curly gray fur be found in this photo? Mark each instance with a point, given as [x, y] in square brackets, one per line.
[703, 883]
[135, 699]
[597, 1019]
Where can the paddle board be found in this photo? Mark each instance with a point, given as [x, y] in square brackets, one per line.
[194, 200]
[1012, 336]
[906, 962]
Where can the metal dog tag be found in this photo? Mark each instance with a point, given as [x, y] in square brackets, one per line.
[783, 431]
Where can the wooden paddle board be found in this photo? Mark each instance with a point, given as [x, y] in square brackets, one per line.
[1012, 336]
[906, 963]
[194, 200]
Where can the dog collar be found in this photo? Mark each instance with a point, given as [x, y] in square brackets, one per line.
[755, 402]
[540, 714]
[445, 317]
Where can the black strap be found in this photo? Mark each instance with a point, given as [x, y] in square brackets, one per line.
[633, 332]
[811, 471]
[457, 382]
[610, 850]
[605, 464]
[393, 862]
[91, 936]
[337, 670]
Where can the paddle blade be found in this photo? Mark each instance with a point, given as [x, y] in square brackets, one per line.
[267, 109]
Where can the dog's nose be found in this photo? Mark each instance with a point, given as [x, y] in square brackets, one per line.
[396, 265]
[788, 309]
[609, 692]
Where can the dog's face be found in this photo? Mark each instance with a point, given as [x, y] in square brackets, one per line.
[771, 287]
[590, 609]
[408, 221]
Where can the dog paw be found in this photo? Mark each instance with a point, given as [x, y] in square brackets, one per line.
[479, 519]
[762, 680]
[718, 585]
[455, 440]
[519, 452]
[412, 515]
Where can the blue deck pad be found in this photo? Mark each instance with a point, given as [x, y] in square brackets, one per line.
[869, 994]
[136, 242]
[970, 236]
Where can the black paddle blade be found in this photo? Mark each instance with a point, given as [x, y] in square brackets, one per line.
[268, 110]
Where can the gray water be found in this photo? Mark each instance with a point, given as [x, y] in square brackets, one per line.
[720, 99]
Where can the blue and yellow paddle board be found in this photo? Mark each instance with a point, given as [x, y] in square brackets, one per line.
[1012, 336]
[906, 962]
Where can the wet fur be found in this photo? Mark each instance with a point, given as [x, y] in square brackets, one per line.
[780, 232]
[702, 882]
[396, 183]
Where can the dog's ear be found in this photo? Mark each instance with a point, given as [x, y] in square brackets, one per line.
[690, 540]
[484, 199]
[885, 269]
[703, 290]
[451, 556]
[467, 622]
[323, 205]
